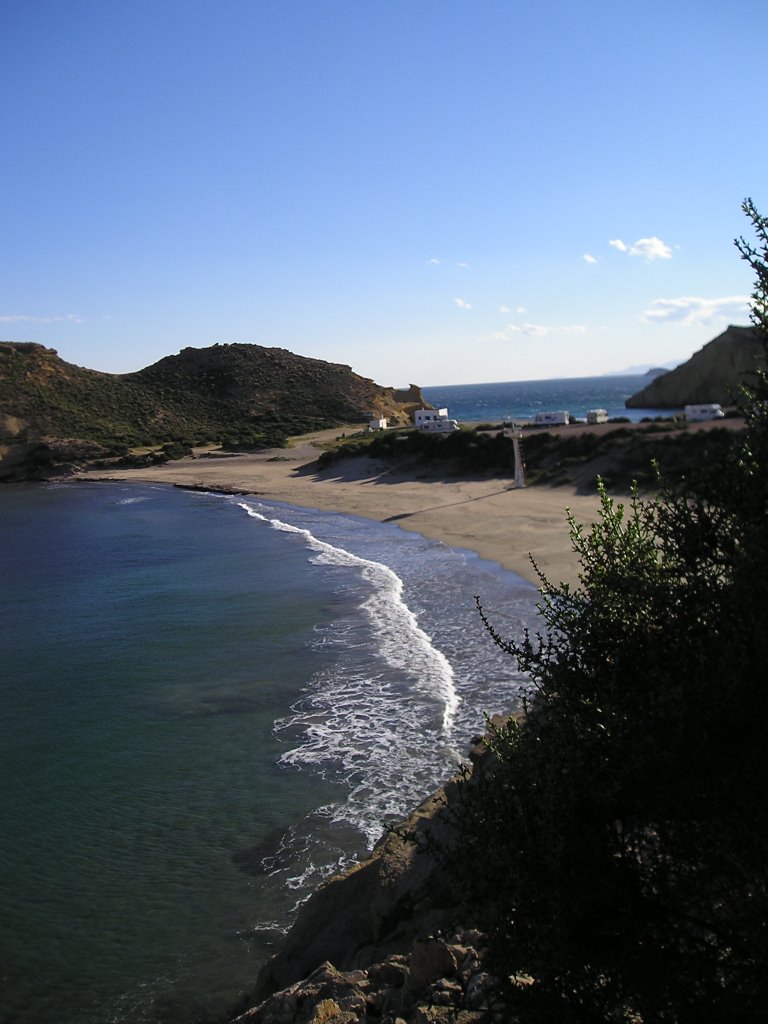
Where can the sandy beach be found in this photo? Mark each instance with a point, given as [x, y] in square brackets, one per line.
[488, 516]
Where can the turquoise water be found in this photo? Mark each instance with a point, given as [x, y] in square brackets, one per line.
[208, 704]
[521, 400]
[144, 662]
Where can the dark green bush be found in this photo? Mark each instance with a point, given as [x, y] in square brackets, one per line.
[176, 450]
[617, 856]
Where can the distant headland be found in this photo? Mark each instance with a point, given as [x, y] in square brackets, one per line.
[713, 374]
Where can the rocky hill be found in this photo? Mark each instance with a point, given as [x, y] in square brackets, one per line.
[52, 412]
[711, 375]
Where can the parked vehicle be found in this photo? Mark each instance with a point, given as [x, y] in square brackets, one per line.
[597, 416]
[552, 419]
[705, 411]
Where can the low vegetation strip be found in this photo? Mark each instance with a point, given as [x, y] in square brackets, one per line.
[626, 453]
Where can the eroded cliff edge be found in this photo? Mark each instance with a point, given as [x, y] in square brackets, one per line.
[383, 941]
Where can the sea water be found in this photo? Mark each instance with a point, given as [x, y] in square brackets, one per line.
[208, 704]
[521, 400]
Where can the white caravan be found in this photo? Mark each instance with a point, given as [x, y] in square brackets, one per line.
[706, 411]
[552, 419]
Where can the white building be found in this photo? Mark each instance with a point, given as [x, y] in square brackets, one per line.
[378, 423]
[434, 420]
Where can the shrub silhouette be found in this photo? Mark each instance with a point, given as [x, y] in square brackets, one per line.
[617, 853]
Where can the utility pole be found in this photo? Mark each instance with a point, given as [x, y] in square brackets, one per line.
[517, 444]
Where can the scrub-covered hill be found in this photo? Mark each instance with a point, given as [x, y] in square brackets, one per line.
[53, 412]
[713, 374]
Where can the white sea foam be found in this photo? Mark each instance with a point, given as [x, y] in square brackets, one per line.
[388, 696]
[378, 713]
[402, 642]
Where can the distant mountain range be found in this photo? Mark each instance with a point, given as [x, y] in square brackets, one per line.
[649, 368]
[713, 374]
[52, 412]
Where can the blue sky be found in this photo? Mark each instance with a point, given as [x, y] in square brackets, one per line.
[432, 191]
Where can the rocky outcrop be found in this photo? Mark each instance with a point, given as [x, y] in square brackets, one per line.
[713, 374]
[382, 941]
[374, 909]
[440, 979]
[411, 399]
[410, 396]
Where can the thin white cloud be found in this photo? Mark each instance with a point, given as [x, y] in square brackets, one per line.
[521, 309]
[691, 310]
[505, 309]
[462, 304]
[589, 258]
[649, 248]
[434, 261]
[537, 330]
[464, 265]
[17, 318]
[530, 330]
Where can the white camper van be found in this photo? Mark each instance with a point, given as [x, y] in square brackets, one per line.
[597, 415]
[551, 419]
[706, 411]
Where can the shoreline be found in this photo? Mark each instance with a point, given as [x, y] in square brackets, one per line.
[487, 516]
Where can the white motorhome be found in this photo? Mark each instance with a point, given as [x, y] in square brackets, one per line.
[435, 421]
[552, 419]
[705, 411]
[597, 416]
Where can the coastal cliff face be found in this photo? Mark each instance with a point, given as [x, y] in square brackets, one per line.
[711, 375]
[372, 910]
[54, 414]
[383, 941]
